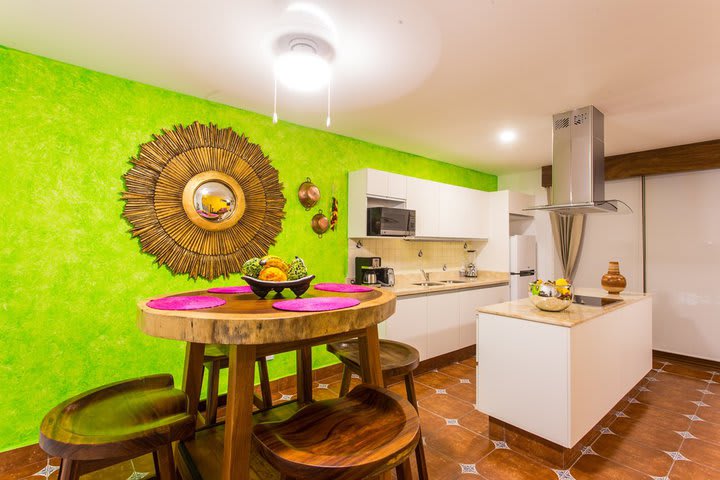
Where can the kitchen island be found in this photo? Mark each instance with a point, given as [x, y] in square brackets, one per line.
[546, 379]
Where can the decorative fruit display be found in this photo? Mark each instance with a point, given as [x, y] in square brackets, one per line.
[252, 267]
[551, 296]
[297, 269]
[272, 274]
[273, 261]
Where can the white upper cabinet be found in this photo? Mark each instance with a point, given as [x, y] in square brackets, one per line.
[422, 196]
[441, 210]
[385, 184]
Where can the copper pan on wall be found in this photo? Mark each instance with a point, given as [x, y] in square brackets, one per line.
[308, 194]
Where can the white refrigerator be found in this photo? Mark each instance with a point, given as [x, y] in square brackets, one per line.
[523, 252]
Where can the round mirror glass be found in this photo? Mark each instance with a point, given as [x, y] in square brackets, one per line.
[214, 201]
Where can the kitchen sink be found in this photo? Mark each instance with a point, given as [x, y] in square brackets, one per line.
[427, 284]
[453, 281]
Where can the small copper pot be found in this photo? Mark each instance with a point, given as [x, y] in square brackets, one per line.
[308, 194]
[320, 223]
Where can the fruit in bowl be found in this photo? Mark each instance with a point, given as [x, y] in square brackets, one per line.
[551, 296]
[273, 273]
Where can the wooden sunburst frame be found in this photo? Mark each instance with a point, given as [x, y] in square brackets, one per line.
[159, 200]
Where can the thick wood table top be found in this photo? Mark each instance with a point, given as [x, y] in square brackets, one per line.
[248, 320]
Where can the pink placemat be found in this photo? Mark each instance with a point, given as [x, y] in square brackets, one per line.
[185, 303]
[316, 304]
[239, 289]
[342, 288]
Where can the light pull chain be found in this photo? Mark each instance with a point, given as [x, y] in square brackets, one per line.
[275, 115]
[327, 119]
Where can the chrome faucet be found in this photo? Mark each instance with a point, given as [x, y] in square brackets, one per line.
[426, 275]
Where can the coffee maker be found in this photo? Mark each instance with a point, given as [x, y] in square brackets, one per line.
[369, 271]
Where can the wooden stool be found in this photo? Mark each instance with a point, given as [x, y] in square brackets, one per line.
[118, 422]
[367, 432]
[214, 360]
[397, 359]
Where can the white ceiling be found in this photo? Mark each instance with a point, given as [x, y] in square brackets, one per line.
[438, 78]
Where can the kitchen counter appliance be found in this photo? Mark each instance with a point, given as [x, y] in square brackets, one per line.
[369, 271]
[390, 222]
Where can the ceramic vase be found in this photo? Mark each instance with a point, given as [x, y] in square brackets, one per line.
[613, 281]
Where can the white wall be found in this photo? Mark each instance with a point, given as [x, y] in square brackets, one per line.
[616, 237]
[530, 182]
[683, 262]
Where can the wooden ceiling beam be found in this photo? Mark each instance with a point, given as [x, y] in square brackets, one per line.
[680, 158]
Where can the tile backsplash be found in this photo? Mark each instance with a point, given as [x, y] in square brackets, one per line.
[402, 255]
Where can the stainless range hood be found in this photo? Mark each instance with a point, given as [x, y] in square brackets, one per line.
[578, 167]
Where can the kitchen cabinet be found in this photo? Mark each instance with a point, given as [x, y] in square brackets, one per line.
[385, 184]
[439, 323]
[422, 196]
[447, 211]
[409, 323]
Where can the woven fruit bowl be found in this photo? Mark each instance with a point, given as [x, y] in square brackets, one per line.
[262, 287]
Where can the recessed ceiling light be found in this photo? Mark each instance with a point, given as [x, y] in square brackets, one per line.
[507, 136]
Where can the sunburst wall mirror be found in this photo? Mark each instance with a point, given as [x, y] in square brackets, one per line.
[203, 200]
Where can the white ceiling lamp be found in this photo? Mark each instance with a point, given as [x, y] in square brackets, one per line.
[302, 64]
[507, 136]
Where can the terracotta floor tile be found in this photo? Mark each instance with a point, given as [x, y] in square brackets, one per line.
[458, 444]
[476, 421]
[420, 389]
[660, 437]
[323, 394]
[431, 423]
[470, 362]
[503, 464]
[702, 452]
[710, 414]
[693, 471]
[460, 370]
[687, 371]
[678, 380]
[463, 391]
[680, 403]
[657, 416]
[709, 432]
[441, 467]
[446, 406]
[593, 467]
[633, 455]
[436, 380]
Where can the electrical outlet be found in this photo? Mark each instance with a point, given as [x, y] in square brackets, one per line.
[269, 357]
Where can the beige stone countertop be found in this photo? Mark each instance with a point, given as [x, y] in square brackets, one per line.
[404, 282]
[575, 314]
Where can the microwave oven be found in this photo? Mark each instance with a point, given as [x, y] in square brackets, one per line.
[390, 222]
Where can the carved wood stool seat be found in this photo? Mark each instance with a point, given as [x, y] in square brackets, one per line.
[215, 359]
[118, 422]
[397, 359]
[367, 432]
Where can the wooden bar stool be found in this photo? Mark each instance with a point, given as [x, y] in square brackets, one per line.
[117, 422]
[397, 359]
[215, 359]
[367, 432]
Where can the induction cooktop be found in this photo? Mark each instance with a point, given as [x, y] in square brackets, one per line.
[595, 301]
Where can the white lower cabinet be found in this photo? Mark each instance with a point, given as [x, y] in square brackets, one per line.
[409, 323]
[439, 323]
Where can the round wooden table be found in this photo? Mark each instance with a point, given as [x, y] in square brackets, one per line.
[252, 327]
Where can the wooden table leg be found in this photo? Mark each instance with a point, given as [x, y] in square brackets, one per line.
[370, 368]
[304, 375]
[238, 413]
[192, 376]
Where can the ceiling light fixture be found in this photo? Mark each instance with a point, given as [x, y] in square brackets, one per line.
[507, 136]
[302, 64]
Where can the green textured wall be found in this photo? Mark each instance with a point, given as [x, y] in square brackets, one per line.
[70, 272]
